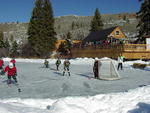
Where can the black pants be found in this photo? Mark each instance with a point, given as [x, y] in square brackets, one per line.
[66, 69]
[1, 68]
[57, 66]
[46, 65]
[119, 66]
[96, 74]
[9, 79]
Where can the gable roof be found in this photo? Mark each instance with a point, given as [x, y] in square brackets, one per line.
[99, 35]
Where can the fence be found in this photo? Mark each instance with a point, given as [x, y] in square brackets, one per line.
[130, 51]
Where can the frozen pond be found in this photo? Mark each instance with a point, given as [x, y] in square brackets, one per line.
[39, 82]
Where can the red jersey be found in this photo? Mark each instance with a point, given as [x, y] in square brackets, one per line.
[1, 63]
[11, 71]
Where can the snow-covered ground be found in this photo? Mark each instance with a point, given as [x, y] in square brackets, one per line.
[47, 91]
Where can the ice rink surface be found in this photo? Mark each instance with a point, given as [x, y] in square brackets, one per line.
[38, 82]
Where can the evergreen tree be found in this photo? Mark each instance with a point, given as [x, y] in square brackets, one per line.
[14, 49]
[69, 36]
[96, 23]
[124, 17]
[68, 41]
[73, 25]
[35, 28]
[144, 19]
[41, 28]
[48, 31]
[6, 43]
[1, 39]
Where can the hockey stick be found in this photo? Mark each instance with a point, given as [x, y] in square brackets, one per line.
[17, 85]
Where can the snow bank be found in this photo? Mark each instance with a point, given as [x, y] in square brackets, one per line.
[79, 61]
[133, 101]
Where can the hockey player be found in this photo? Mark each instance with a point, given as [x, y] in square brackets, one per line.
[120, 62]
[96, 67]
[46, 63]
[11, 72]
[66, 66]
[13, 61]
[1, 64]
[58, 62]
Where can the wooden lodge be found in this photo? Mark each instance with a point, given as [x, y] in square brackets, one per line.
[110, 43]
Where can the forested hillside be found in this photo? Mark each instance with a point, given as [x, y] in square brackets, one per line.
[78, 26]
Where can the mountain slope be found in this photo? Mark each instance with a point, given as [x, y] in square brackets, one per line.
[78, 26]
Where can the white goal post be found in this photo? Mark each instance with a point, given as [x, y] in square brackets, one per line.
[107, 70]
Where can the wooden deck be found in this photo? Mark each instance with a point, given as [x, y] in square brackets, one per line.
[130, 51]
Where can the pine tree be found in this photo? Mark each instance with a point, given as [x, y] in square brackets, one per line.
[6, 43]
[34, 29]
[96, 23]
[13, 51]
[73, 25]
[41, 28]
[48, 31]
[124, 17]
[144, 19]
[1, 39]
[68, 41]
[69, 36]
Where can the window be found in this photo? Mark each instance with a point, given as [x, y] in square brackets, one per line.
[117, 32]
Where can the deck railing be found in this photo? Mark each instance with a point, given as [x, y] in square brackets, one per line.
[130, 51]
[125, 47]
[136, 47]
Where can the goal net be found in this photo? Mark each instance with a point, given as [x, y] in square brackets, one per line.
[107, 70]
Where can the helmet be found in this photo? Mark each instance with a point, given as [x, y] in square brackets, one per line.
[11, 65]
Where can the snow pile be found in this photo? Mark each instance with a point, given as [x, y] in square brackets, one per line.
[133, 101]
[136, 61]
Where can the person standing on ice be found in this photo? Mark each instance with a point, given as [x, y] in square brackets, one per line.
[1, 64]
[46, 63]
[58, 62]
[96, 67]
[13, 61]
[120, 62]
[66, 67]
[11, 72]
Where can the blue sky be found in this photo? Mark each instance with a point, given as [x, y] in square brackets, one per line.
[20, 10]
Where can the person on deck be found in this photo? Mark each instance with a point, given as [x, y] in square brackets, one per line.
[58, 62]
[96, 67]
[11, 72]
[66, 66]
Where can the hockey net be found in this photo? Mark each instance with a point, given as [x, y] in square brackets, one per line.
[107, 70]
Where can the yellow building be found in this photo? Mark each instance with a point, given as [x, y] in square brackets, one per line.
[113, 33]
